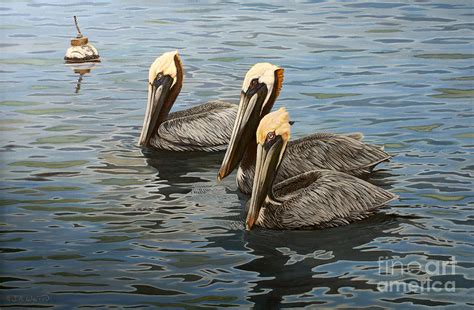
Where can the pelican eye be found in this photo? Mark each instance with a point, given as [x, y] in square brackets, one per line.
[253, 83]
[158, 77]
[271, 135]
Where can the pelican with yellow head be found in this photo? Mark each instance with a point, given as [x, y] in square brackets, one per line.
[314, 199]
[206, 127]
[339, 152]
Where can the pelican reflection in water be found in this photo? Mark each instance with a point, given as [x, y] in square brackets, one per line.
[260, 89]
[315, 199]
[206, 127]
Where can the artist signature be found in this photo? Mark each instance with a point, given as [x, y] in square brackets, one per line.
[27, 299]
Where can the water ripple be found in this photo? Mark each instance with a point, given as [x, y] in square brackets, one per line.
[92, 221]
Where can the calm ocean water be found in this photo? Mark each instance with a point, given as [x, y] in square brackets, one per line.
[90, 220]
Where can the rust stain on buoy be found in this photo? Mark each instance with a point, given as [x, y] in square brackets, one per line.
[81, 50]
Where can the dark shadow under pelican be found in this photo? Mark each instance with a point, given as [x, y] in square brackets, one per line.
[315, 199]
[206, 127]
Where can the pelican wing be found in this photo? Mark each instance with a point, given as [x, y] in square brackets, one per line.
[332, 152]
[321, 151]
[325, 198]
[206, 127]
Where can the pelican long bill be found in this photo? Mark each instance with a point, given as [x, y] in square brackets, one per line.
[157, 95]
[268, 159]
[248, 117]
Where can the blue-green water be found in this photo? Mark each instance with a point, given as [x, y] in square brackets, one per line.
[89, 219]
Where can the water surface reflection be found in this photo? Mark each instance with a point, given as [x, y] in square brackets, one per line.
[91, 220]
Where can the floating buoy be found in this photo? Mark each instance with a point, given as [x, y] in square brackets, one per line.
[81, 50]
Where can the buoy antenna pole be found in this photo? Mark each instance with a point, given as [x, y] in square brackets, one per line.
[79, 34]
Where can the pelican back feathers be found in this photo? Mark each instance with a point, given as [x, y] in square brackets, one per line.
[206, 127]
[321, 151]
[322, 199]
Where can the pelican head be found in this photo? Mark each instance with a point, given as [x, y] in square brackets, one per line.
[273, 134]
[261, 87]
[165, 79]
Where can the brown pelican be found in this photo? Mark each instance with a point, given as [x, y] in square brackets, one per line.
[260, 89]
[206, 127]
[314, 199]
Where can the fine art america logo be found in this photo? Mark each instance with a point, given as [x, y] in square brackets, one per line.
[416, 277]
